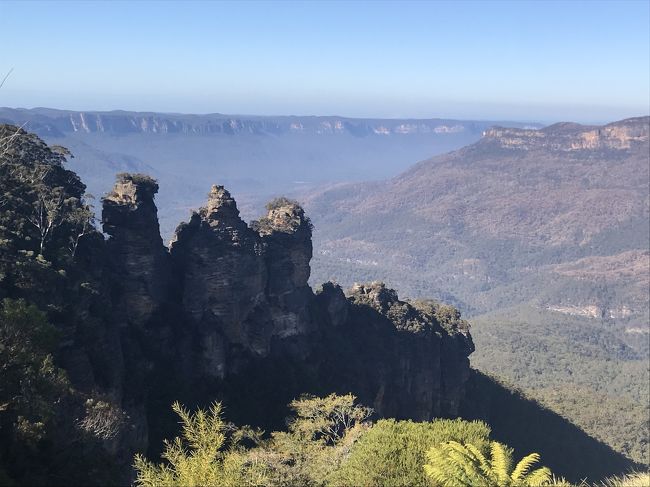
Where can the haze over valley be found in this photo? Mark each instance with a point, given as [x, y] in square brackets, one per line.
[255, 157]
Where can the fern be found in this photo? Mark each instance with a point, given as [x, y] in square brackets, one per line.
[501, 462]
[523, 467]
[453, 464]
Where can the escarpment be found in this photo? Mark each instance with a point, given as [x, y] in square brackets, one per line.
[572, 137]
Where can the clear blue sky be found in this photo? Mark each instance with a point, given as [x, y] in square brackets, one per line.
[583, 61]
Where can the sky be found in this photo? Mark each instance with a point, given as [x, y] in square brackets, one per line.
[510, 60]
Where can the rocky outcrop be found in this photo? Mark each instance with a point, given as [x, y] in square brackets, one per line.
[140, 260]
[221, 269]
[286, 233]
[249, 310]
[227, 313]
[423, 364]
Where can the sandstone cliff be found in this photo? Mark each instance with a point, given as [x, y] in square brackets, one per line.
[244, 308]
[572, 137]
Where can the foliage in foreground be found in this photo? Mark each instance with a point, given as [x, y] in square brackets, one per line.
[31, 385]
[211, 452]
[392, 453]
[197, 458]
[453, 464]
[640, 479]
[329, 442]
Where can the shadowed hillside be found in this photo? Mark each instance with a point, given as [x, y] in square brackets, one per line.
[526, 425]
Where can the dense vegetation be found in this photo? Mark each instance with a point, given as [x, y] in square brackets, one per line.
[50, 431]
[330, 442]
[573, 366]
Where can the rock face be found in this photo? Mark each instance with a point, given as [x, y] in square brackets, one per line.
[60, 122]
[571, 137]
[286, 234]
[138, 271]
[244, 308]
[241, 287]
[423, 364]
[139, 257]
[223, 278]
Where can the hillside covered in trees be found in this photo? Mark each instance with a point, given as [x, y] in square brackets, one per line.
[101, 332]
[541, 239]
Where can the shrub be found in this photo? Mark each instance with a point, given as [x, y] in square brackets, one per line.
[392, 453]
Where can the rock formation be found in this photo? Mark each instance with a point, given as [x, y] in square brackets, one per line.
[286, 234]
[130, 218]
[222, 274]
[246, 309]
[572, 137]
[423, 364]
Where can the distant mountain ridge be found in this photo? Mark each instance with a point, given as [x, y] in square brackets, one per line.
[45, 121]
[572, 136]
[257, 157]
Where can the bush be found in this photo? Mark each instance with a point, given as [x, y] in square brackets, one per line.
[392, 453]
[198, 457]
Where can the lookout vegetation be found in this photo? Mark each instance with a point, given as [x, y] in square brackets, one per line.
[331, 441]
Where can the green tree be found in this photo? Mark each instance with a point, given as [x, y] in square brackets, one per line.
[319, 438]
[454, 464]
[42, 203]
[30, 383]
[32, 387]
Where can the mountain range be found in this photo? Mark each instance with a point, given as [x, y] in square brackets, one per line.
[541, 238]
[565, 206]
[255, 157]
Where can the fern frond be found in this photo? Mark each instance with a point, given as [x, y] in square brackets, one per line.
[524, 465]
[539, 477]
[501, 462]
[483, 463]
[448, 466]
